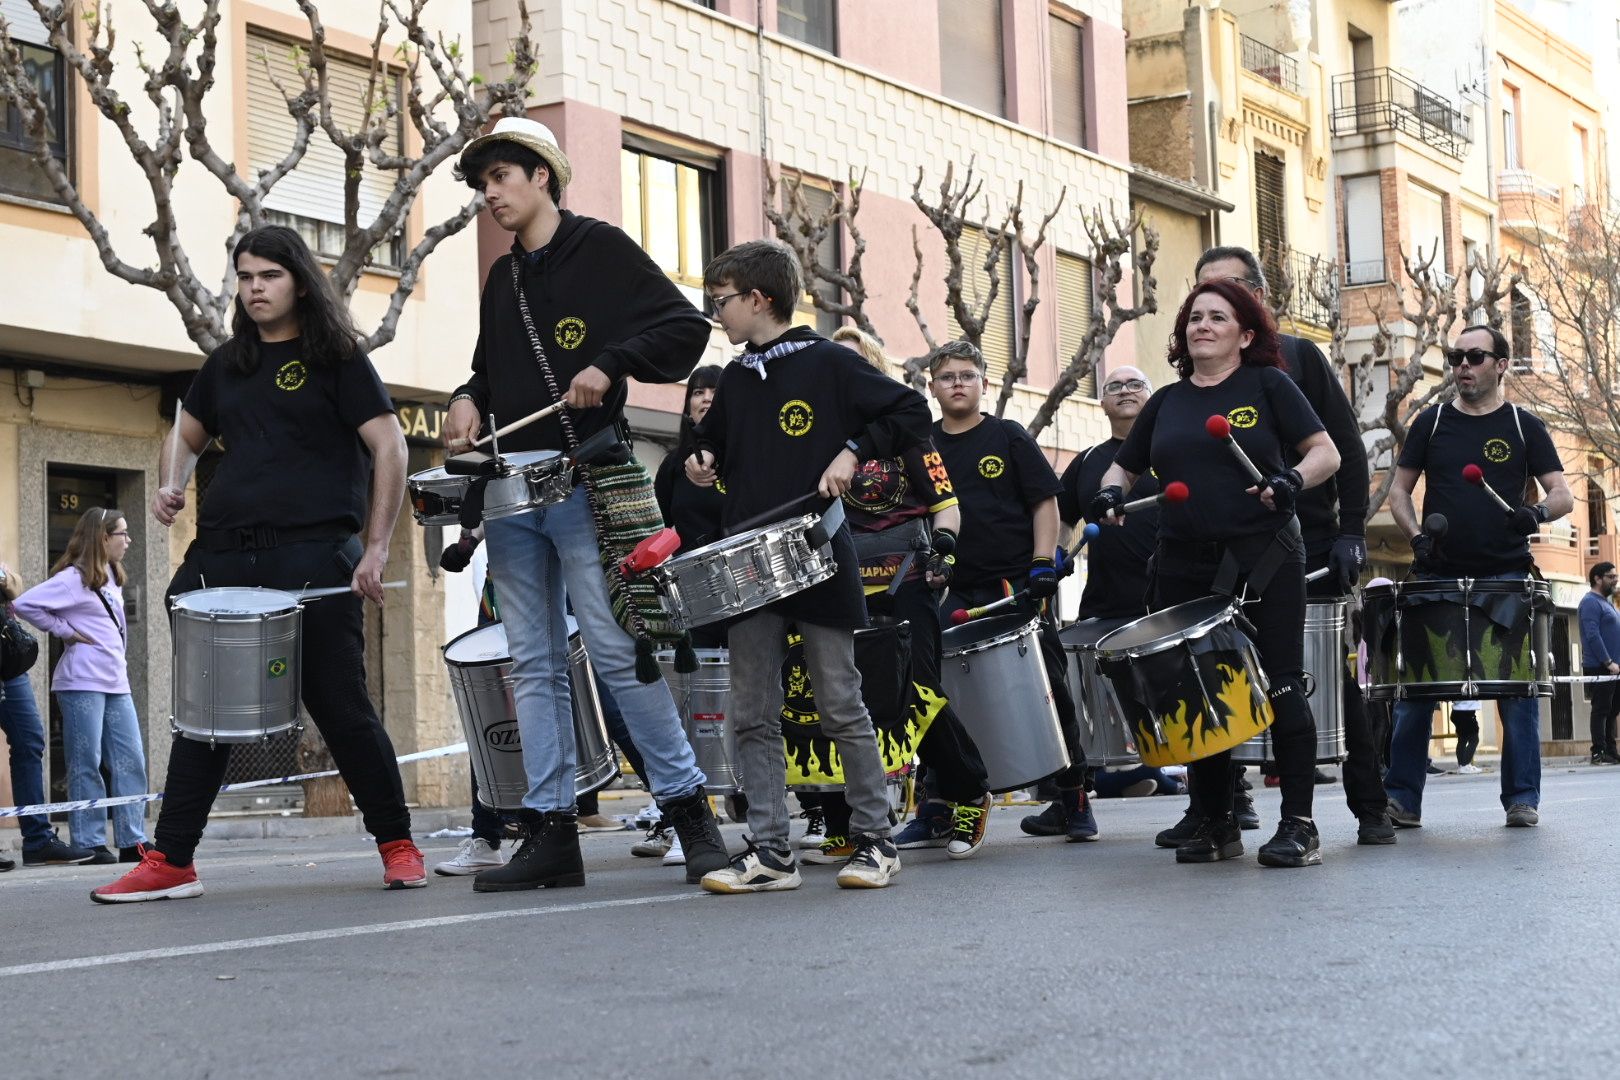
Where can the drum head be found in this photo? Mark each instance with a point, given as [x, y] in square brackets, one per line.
[1088, 632]
[1167, 627]
[431, 476]
[528, 458]
[486, 645]
[981, 631]
[236, 601]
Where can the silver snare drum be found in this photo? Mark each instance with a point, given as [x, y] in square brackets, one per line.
[480, 669]
[996, 682]
[237, 664]
[436, 496]
[527, 481]
[1326, 655]
[1103, 731]
[745, 572]
[703, 698]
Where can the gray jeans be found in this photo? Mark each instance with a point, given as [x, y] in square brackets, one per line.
[758, 647]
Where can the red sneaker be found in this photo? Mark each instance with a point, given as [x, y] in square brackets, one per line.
[402, 865]
[152, 879]
[1273, 781]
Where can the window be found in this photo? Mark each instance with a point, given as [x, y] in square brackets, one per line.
[19, 175]
[1519, 325]
[670, 207]
[814, 22]
[1363, 230]
[1426, 218]
[1068, 89]
[1577, 165]
[996, 343]
[817, 202]
[1510, 127]
[310, 198]
[1074, 314]
[971, 63]
[1597, 505]
[1271, 211]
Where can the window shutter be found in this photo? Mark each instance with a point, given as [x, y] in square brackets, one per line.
[997, 341]
[1270, 211]
[970, 54]
[1068, 86]
[25, 24]
[315, 188]
[1074, 314]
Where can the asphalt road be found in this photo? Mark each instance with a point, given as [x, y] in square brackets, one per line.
[1466, 950]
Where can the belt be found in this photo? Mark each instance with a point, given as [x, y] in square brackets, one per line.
[263, 537]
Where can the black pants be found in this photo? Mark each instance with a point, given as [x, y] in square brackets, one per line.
[975, 594]
[1363, 782]
[1278, 618]
[1466, 724]
[1605, 704]
[334, 692]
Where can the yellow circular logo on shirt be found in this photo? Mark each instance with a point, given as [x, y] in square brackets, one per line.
[292, 375]
[570, 332]
[796, 418]
[1244, 416]
[991, 466]
[1497, 450]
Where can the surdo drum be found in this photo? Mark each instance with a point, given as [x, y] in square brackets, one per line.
[480, 668]
[996, 681]
[237, 664]
[1327, 653]
[703, 698]
[1103, 731]
[1454, 639]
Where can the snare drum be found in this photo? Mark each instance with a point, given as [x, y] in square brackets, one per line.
[237, 664]
[1450, 639]
[436, 496]
[703, 698]
[1189, 680]
[480, 669]
[521, 482]
[745, 572]
[996, 681]
[1326, 656]
[1102, 722]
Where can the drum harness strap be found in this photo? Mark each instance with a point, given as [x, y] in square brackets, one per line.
[1283, 546]
[646, 661]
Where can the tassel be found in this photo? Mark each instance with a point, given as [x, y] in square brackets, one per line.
[686, 660]
[646, 663]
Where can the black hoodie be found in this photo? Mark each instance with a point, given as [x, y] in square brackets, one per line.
[597, 300]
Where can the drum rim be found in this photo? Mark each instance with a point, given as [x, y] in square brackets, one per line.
[292, 602]
[1072, 646]
[1200, 629]
[434, 475]
[510, 465]
[1491, 585]
[801, 523]
[444, 650]
[1032, 626]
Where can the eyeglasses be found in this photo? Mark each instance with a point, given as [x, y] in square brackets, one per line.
[1475, 357]
[1129, 386]
[121, 532]
[957, 378]
[718, 302]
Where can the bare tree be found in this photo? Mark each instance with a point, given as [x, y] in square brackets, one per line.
[447, 106]
[805, 230]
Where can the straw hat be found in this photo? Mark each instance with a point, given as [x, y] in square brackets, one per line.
[532, 134]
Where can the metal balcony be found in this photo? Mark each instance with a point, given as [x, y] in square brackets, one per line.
[1382, 99]
[1270, 65]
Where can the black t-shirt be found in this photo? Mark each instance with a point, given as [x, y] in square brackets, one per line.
[1000, 476]
[1510, 446]
[1338, 506]
[1267, 413]
[1116, 561]
[293, 452]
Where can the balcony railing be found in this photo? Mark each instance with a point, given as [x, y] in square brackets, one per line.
[1303, 271]
[1382, 99]
[1270, 65]
[1524, 182]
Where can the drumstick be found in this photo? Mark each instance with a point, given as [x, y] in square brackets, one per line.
[1221, 428]
[338, 590]
[1476, 476]
[539, 414]
[1316, 575]
[962, 615]
[1174, 492]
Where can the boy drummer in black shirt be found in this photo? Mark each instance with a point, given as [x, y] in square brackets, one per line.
[1008, 493]
[794, 416]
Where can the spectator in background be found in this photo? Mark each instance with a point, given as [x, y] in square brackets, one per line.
[1465, 721]
[82, 602]
[25, 735]
[1600, 655]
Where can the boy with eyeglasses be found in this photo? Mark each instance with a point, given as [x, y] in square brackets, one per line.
[1510, 445]
[1008, 494]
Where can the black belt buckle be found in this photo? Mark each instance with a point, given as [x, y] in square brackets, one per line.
[247, 539]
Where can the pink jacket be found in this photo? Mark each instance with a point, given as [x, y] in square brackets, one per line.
[62, 607]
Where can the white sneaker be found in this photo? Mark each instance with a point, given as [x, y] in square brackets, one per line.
[755, 870]
[648, 816]
[815, 830]
[1470, 769]
[474, 855]
[674, 856]
[876, 862]
[600, 823]
[656, 844]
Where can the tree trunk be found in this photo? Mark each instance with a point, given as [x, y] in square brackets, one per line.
[327, 796]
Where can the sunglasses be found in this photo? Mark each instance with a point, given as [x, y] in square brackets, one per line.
[1475, 357]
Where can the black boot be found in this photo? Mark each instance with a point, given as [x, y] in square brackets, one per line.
[701, 842]
[548, 858]
[1243, 810]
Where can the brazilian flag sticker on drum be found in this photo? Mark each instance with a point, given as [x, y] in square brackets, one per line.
[276, 668]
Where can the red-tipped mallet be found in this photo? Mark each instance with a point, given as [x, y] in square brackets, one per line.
[1476, 476]
[1174, 492]
[1221, 428]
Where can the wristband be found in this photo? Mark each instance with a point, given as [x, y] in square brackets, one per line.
[853, 447]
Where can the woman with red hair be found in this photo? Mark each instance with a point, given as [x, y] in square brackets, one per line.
[1235, 534]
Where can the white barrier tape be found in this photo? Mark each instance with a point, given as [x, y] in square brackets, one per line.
[1585, 678]
[153, 796]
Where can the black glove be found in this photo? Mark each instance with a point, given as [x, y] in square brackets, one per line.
[942, 560]
[1345, 561]
[1422, 552]
[459, 554]
[1043, 578]
[1285, 488]
[1109, 498]
[1527, 520]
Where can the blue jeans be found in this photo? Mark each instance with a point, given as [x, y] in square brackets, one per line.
[99, 728]
[25, 733]
[536, 560]
[1521, 752]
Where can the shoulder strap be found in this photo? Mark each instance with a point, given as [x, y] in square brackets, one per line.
[122, 632]
[540, 354]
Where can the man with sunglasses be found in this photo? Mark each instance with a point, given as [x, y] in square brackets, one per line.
[1479, 427]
